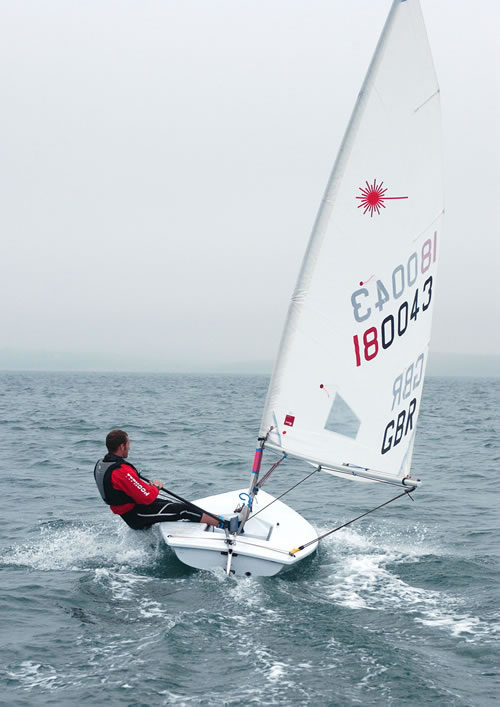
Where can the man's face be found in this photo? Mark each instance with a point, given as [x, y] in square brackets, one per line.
[123, 449]
[126, 448]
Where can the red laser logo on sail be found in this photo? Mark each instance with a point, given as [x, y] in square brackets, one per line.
[373, 196]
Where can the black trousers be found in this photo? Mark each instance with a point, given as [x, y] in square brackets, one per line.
[160, 511]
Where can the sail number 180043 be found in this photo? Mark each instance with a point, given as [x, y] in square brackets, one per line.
[392, 326]
[402, 282]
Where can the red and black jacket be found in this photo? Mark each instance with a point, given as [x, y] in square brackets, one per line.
[121, 485]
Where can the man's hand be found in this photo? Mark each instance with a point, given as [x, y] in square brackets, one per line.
[158, 484]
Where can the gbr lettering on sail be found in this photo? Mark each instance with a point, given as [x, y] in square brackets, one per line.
[404, 385]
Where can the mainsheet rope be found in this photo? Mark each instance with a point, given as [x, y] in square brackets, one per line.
[320, 537]
[344, 525]
[285, 492]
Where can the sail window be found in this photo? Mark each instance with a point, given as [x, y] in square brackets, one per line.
[342, 419]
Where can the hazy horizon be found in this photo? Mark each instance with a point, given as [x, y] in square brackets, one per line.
[440, 364]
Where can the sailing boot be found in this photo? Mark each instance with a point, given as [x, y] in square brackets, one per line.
[230, 524]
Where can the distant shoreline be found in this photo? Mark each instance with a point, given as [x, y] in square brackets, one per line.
[440, 364]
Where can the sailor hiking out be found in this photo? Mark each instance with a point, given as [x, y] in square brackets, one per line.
[135, 499]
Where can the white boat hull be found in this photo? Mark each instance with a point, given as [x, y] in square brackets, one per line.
[262, 550]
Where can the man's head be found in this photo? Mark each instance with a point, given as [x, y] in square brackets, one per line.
[118, 443]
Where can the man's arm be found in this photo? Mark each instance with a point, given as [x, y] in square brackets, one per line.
[126, 479]
[159, 484]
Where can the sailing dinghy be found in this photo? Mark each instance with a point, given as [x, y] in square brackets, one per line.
[347, 383]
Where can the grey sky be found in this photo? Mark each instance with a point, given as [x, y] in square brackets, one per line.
[162, 163]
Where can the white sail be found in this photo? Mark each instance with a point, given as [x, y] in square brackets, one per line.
[348, 379]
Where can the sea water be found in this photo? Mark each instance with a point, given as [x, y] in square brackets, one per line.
[400, 608]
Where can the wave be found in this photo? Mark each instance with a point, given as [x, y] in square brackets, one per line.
[66, 545]
[387, 572]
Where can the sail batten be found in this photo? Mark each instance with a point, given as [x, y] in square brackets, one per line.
[358, 328]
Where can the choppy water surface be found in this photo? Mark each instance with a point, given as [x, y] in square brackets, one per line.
[400, 608]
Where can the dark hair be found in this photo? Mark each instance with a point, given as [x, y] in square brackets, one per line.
[114, 439]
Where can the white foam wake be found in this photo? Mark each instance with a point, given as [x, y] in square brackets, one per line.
[74, 547]
[361, 574]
